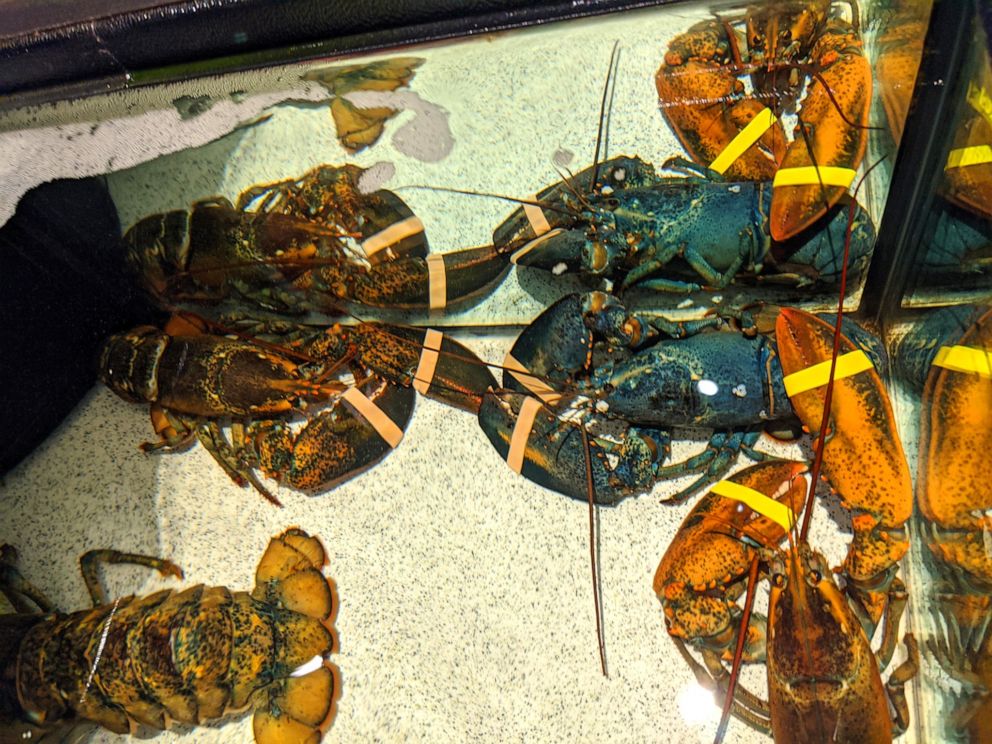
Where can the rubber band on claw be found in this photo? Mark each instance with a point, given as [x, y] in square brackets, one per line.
[768, 507]
[810, 175]
[818, 375]
[750, 134]
[965, 359]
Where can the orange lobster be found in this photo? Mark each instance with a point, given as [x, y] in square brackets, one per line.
[703, 100]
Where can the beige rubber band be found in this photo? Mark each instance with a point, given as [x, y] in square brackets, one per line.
[769, 507]
[535, 216]
[531, 245]
[968, 359]
[521, 433]
[392, 235]
[437, 281]
[534, 385]
[377, 418]
[817, 375]
[424, 375]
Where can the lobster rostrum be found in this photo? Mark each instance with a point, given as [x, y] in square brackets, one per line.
[676, 233]
[197, 380]
[190, 656]
[785, 49]
[316, 243]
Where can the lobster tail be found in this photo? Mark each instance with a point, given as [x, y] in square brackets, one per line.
[301, 707]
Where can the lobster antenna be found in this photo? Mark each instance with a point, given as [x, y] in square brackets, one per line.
[592, 553]
[467, 192]
[602, 136]
[829, 392]
[728, 701]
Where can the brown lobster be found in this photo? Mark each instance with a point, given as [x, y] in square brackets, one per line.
[195, 380]
[703, 100]
[189, 656]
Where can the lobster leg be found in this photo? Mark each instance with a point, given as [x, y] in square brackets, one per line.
[89, 566]
[16, 588]
[716, 460]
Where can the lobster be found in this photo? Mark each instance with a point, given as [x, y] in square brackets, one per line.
[190, 656]
[195, 379]
[668, 233]
[783, 48]
[316, 243]
[945, 359]
[823, 679]
[618, 376]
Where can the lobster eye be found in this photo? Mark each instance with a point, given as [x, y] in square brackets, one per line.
[815, 577]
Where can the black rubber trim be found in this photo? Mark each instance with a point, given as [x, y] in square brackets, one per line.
[184, 39]
[940, 87]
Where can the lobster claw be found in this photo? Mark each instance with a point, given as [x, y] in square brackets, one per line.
[863, 459]
[336, 443]
[818, 168]
[550, 452]
[704, 103]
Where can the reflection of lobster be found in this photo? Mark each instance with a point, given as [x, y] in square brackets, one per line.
[633, 388]
[189, 656]
[783, 43]
[311, 244]
[948, 354]
[672, 233]
[195, 380]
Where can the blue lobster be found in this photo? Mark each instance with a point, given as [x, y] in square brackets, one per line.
[629, 379]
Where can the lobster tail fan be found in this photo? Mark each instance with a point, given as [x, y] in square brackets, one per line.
[289, 576]
[300, 709]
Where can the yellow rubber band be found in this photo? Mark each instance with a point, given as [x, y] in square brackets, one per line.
[424, 375]
[810, 175]
[768, 507]
[377, 418]
[761, 123]
[965, 359]
[979, 100]
[521, 433]
[965, 156]
[531, 245]
[535, 216]
[392, 235]
[534, 385]
[818, 375]
[438, 282]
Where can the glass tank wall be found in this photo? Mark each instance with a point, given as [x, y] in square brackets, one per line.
[426, 305]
